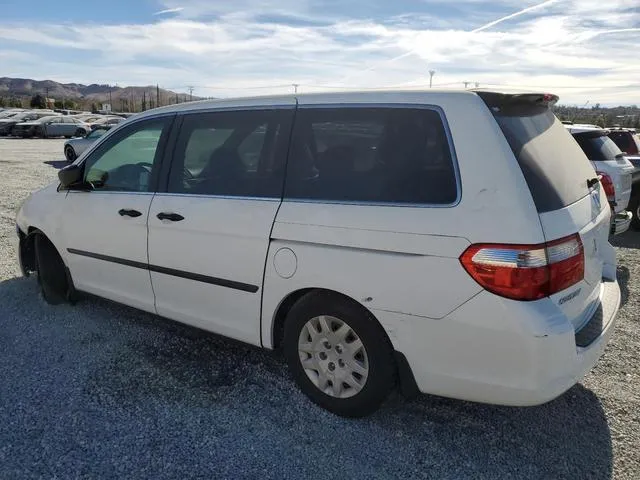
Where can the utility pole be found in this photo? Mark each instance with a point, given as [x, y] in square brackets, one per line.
[190, 93]
[157, 95]
[431, 74]
[110, 101]
[295, 87]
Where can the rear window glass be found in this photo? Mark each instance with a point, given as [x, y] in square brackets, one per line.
[554, 166]
[625, 142]
[597, 147]
[377, 155]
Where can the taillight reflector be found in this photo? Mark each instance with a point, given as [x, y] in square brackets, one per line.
[526, 272]
[607, 184]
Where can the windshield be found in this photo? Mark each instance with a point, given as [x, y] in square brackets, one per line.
[97, 133]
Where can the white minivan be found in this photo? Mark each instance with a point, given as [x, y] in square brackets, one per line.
[422, 240]
[612, 166]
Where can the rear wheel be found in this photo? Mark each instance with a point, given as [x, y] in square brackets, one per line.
[338, 354]
[69, 153]
[80, 132]
[52, 276]
[39, 132]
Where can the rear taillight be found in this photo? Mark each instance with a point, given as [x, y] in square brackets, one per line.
[526, 272]
[607, 184]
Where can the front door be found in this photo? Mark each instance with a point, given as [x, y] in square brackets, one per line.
[106, 227]
[209, 233]
[53, 127]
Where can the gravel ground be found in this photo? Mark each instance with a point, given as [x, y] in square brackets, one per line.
[99, 391]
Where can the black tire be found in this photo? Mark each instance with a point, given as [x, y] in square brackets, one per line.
[52, 276]
[80, 132]
[70, 153]
[634, 208]
[381, 376]
[39, 132]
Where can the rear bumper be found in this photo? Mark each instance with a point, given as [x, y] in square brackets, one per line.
[620, 222]
[499, 351]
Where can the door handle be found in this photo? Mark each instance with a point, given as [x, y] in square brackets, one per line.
[174, 217]
[126, 212]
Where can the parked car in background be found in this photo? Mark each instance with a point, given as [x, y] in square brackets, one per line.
[88, 117]
[614, 169]
[7, 124]
[335, 227]
[52, 126]
[11, 112]
[626, 139]
[110, 121]
[74, 147]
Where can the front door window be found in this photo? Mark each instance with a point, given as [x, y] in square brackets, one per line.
[127, 161]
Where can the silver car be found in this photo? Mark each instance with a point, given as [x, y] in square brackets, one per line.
[76, 146]
[60, 126]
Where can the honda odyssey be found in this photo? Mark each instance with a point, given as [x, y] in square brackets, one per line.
[449, 242]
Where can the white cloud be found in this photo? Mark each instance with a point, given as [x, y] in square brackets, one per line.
[578, 48]
[169, 10]
[493, 23]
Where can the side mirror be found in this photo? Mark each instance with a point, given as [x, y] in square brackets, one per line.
[70, 175]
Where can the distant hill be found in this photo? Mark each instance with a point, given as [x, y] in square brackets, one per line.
[122, 98]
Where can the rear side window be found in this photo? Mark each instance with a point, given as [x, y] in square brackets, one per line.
[231, 153]
[597, 147]
[376, 155]
[554, 167]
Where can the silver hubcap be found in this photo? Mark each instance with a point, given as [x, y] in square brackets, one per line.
[333, 356]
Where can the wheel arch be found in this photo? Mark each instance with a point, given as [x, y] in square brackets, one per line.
[29, 262]
[405, 379]
[27, 249]
[285, 305]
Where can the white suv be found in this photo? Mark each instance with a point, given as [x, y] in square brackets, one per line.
[427, 240]
[614, 169]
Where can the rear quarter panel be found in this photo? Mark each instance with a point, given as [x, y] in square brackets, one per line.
[405, 259]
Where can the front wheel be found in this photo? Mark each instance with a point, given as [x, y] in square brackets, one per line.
[69, 153]
[80, 132]
[338, 354]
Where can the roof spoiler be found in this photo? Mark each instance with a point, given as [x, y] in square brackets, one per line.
[499, 102]
[591, 133]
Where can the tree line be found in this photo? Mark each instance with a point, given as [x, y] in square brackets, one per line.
[131, 103]
[622, 116]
